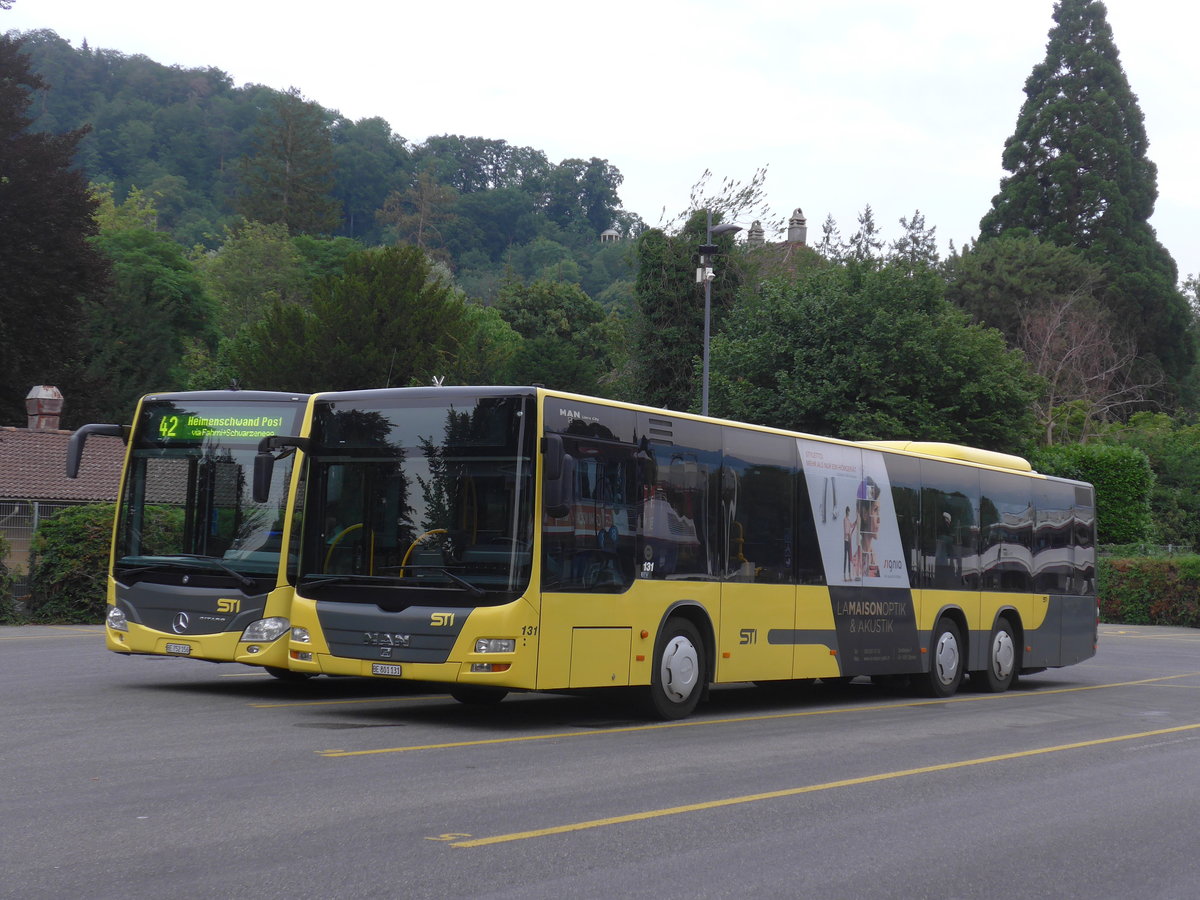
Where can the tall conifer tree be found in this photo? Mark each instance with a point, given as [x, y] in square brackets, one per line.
[48, 267]
[1081, 177]
[290, 179]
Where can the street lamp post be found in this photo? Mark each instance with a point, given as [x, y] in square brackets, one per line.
[705, 275]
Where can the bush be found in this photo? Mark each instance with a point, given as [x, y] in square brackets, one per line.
[68, 571]
[8, 610]
[1123, 481]
[69, 575]
[1150, 590]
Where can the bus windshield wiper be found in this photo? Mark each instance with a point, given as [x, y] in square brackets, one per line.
[322, 580]
[178, 561]
[472, 589]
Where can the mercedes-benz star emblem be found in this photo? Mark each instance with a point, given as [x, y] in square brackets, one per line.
[179, 626]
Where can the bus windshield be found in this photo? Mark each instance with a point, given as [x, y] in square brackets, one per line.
[419, 496]
[187, 503]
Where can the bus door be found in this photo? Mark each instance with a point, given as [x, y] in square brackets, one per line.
[757, 637]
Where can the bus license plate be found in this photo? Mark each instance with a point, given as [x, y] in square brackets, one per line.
[181, 649]
[384, 669]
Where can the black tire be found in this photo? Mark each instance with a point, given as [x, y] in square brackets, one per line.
[287, 674]
[945, 661]
[473, 695]
[679, 675]
[1003, 659]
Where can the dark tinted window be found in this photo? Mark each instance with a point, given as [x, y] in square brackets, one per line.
[1007, 532]
[1053, 536]
[757, 500]
[679, 517]
[949, 525]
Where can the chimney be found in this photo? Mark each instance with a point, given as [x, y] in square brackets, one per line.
[755, 236]
[43, 405]
[797, 228]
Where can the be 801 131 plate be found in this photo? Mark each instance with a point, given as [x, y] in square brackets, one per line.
[384, 669]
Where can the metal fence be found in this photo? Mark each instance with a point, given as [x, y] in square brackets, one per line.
[18, 521]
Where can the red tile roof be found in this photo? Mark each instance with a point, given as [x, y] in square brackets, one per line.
[33, 466]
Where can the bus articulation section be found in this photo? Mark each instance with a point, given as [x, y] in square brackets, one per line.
[196, 563]
[497, 539]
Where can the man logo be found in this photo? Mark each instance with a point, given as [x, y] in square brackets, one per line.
[180, 623]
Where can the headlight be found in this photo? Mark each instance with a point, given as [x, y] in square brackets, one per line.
[266, 630]
[116, 619]
[300, 635]
[495, 645]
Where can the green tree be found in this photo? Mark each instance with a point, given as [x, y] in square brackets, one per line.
[1080, 177]
[1173, 448]
[917, 246]
[669, 317]
[417, 214]
[1047, 300]
[255, 266]
[570, 342]
[488, 350]
[139, 333]
[859, 352]
[289, 179]
[48, 268]
[389, 319]
[866, 243]
[371, 162]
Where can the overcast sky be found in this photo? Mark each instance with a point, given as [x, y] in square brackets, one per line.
[902, 104]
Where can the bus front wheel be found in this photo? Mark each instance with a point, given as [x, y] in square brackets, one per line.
[287, 674]
[678, 677]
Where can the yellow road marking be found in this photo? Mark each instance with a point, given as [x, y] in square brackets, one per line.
[702, 723]
[1151, 637]
[809, 789]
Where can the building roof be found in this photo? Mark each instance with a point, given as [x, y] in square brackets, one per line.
[33, 466]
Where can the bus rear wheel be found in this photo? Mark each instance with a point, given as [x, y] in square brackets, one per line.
[946, 661]
[1002, 660]
[678, 677]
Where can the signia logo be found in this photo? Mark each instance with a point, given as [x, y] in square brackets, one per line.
[180, 624]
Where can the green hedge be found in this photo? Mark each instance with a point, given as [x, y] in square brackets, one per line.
[1123, 480]
[1150, 590]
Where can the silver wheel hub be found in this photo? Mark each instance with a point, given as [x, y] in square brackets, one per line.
[946, 658]
[1004, 655]
[680, 669]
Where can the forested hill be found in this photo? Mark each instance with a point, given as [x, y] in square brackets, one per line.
[201, 149]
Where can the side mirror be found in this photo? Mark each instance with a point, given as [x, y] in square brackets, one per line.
[79, 438]
[264, 462]
[264, 468]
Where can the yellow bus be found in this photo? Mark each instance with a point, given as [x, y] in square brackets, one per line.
[195, 566]
[506, 538]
